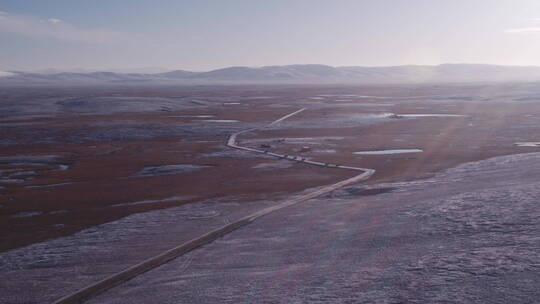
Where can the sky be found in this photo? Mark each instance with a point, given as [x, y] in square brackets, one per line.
[201, 35]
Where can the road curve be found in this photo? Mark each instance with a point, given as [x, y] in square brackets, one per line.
[88, 292]
[232, 142]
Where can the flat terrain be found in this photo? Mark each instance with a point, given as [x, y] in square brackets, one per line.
[449, 239]
[93, 180]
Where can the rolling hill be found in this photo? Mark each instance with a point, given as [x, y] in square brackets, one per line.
[291, 74]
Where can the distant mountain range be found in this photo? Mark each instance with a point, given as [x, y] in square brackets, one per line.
[290, 74]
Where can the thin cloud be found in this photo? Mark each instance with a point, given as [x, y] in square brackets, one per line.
[55, 28]
[523, 30]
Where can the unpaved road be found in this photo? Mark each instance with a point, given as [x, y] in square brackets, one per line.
[232, 142]
[123, 276]
[469, 235]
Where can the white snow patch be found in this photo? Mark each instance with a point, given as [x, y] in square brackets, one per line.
[220, 120]
[27, 214]
[49, 185]
[169, 169]
[169, 199]
[528, 144]
[383, 152]
[191, 116]
[273, 165]
[430, 115]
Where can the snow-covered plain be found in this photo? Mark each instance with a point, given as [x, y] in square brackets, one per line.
[469, 234]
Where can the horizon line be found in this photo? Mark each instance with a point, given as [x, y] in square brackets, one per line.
[166, 70]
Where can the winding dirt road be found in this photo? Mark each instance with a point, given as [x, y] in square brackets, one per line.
[90, 291]
[232, 142]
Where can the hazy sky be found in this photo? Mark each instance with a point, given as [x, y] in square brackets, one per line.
[203, 35]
